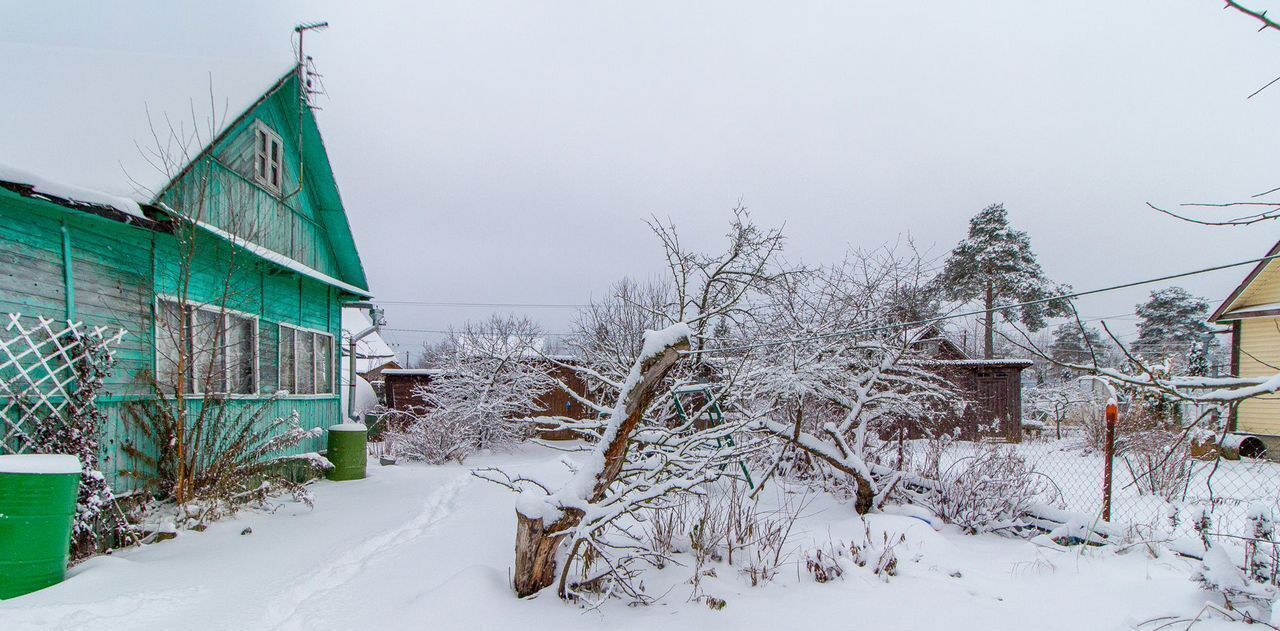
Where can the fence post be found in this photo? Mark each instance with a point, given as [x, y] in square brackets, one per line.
[1113, 415]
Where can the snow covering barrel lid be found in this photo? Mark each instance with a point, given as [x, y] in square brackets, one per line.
[49, 464]
[348, 427]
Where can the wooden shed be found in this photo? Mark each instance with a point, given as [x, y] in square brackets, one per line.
[990, 389]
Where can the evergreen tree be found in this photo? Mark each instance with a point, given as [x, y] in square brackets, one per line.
[995, 266]
[1071, 344]
[1172, 320]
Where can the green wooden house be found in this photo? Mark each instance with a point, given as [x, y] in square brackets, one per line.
[267, 257]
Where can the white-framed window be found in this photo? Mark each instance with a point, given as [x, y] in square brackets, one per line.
[268, 157]
[217, 348]
[306, 361]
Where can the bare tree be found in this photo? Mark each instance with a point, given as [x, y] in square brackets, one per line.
[640, 456]
[829, 393]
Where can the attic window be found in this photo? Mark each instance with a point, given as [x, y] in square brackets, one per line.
[268, 157]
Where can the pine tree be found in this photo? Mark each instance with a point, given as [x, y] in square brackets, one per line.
[1072, 344]
[1172, 320]
[995, 266]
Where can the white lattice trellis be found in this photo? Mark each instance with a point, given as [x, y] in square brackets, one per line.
[38, 372]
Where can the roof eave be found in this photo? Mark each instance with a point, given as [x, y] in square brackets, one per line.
[1221, 311]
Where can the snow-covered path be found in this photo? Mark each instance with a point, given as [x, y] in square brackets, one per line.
[417, 547]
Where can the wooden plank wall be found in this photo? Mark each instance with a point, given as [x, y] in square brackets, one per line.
[117, 270]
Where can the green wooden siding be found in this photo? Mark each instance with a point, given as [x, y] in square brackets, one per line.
[119, 269]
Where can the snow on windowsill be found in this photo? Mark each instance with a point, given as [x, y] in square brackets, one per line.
[48, 464]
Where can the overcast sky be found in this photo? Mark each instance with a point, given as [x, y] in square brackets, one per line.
[508, 151]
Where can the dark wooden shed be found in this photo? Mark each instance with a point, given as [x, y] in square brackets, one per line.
[400, 386]
[989, 389]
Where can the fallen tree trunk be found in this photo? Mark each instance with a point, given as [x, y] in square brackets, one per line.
[537, 543]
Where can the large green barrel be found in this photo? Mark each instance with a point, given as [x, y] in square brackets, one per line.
[37, 509]
[348, 451]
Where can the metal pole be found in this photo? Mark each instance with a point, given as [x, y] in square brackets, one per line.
[1113, 414]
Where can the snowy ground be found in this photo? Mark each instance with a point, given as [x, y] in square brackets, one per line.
[419, 547]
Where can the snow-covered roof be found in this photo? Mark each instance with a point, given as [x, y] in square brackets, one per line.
[283, 261]
[415, 372]
[47, 187]
[986, 362]
[371, 351]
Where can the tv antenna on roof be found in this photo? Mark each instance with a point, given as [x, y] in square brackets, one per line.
[306, 69]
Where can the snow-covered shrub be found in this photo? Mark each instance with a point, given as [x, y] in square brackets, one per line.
[881, 557]
[1261, 549]
[988, 492]
[489, 376]
[1159, 461]
[76, 432]
[1202, 523]
[824, 566]
[221, 459]
[1218, 573]
[722, 526]
[431, 438]
[834, 560]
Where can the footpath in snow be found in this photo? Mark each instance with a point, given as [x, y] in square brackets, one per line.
[419, 547]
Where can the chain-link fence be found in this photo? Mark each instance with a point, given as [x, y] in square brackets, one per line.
[1163, 481]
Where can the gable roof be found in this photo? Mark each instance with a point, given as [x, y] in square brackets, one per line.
[318, 178]
[1224, 312]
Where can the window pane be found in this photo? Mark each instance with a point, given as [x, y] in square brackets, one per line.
[306, 363]
[207, 355]
[324, 364]
[242, 363]
[168, 341]
[260, 155]
[288, 376]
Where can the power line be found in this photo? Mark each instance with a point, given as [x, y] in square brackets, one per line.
[903, 325]
[511, 305]
[399, 330]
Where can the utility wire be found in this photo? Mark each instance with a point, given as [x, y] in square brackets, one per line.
[966, 314]
[521, 305]
[399, 330]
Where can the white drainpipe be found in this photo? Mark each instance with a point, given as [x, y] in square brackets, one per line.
[375, 316]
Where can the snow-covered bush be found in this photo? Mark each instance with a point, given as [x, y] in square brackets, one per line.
[226, 457]
[989, 492]
[1263, 556]
[1218, 573]
[723, 525]
[489, 376]
[1159, 461]
[833, 561]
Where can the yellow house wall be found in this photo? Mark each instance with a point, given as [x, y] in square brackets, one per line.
[1260, 357]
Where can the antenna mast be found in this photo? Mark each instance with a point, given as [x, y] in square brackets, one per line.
[306, 69]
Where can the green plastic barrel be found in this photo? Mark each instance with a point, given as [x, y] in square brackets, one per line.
[37, 510]
[348, 451]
